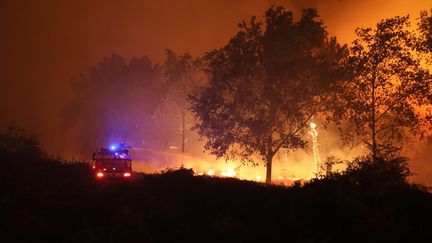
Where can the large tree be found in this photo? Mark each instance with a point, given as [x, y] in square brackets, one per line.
[115, 102]
[265, 85]
[388, 89]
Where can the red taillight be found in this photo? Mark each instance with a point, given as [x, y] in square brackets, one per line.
[127, 174]
[100, 175]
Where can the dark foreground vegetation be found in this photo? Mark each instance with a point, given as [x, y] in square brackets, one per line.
[44, 200]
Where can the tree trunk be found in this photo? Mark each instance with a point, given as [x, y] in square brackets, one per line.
[373, 122]
[183, 133]
[269, 159]
[269, 169]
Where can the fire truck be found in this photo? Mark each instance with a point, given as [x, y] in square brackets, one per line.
[113, 162]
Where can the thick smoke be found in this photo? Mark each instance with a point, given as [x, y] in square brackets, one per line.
[115, 102]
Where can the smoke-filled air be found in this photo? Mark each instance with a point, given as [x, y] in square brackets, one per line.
[281, 100]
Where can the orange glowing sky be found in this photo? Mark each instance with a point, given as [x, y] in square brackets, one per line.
[44, 43]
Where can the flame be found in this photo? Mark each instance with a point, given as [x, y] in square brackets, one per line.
[230, 172]
[288, 166]
[314, 134]
[156, 161]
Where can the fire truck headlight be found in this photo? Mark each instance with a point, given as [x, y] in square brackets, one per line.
[100, 175]
[127, 174]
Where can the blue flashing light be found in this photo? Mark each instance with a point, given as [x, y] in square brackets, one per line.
[113, 147]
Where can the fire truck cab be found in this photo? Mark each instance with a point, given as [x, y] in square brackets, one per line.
[112, 162]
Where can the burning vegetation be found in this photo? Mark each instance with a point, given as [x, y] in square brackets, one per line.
[257, 103]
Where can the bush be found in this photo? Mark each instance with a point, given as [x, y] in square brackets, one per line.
[17, 143]
[368, 172]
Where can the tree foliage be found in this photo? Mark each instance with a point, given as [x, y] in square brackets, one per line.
[265, 85]
[425, 30]
[116, 101]
[383, 101]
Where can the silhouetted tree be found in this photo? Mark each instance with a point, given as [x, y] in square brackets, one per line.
[265, 85]
[383, 99]
[116, 101]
